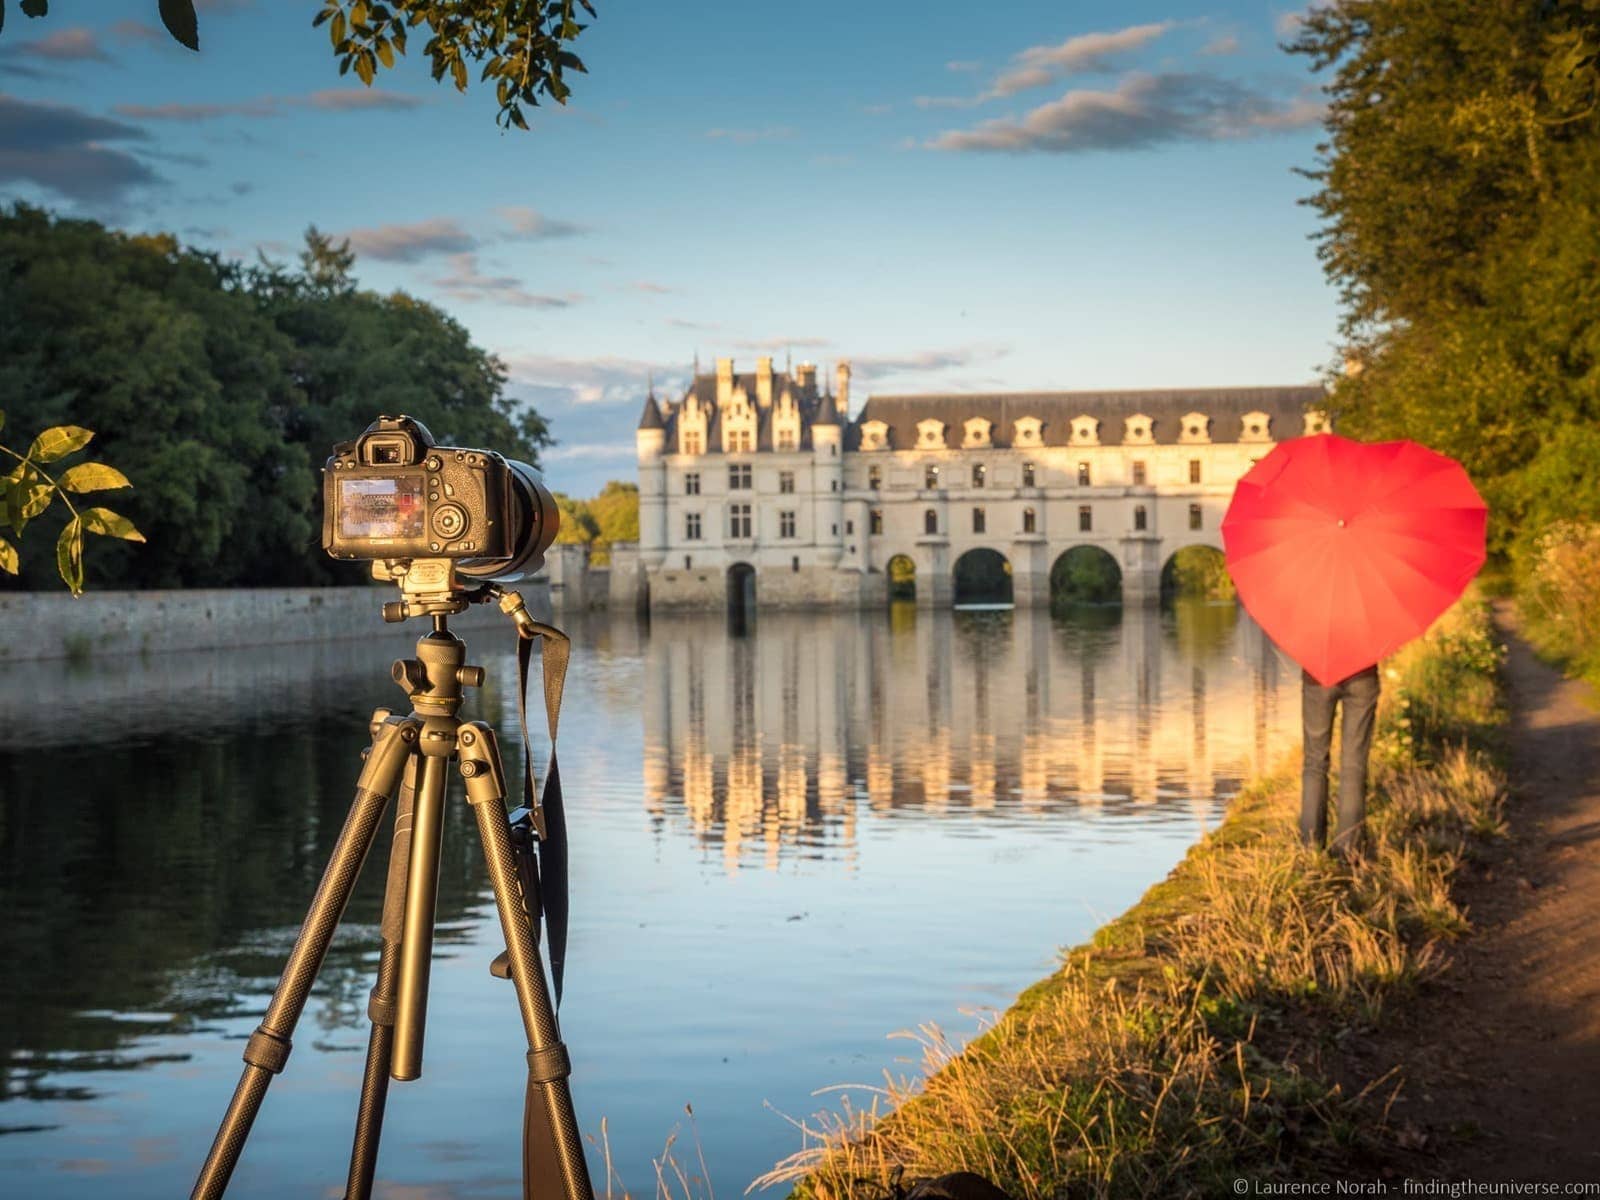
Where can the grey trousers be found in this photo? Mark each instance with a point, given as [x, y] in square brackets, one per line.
[1359, 696]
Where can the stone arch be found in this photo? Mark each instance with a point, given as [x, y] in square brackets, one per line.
[1085, 575]
[741, 596]
[902, 573]
[981, 576]
[1197, 570]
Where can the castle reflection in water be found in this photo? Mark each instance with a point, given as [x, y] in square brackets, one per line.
[780, 744]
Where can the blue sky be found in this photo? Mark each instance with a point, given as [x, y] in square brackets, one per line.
[954, 196]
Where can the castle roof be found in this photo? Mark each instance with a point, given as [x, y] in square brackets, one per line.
[1284, 407]
[650, 418]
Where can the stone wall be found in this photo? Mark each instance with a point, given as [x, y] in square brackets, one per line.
[44, 625]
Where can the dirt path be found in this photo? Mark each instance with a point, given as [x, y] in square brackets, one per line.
[1501, 1057]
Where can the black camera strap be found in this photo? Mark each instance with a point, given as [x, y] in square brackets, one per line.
[549, 817]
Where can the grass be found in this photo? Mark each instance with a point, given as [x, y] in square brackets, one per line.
[1181, 1046]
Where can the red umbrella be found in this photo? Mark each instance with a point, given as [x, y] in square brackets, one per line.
[1344, 551]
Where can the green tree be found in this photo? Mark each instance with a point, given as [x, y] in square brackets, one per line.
[524, 46]
[1460, 188]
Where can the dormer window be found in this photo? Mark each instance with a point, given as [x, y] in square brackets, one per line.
[1085, 431]
[1317, 422]
[976, 433]
[1194, 427]
[1137, 429]
[1255, 427]
[874, 435]
[1027, 431]
[930, 435]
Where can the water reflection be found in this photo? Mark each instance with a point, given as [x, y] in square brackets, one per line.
[763, 746]
[770, 832]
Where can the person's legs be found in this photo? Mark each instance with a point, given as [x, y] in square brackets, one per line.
[1360, 708]
[1316, 715]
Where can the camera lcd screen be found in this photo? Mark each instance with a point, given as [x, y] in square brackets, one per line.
[389, 509]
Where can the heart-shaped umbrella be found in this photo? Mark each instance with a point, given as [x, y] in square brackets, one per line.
[1344, 551]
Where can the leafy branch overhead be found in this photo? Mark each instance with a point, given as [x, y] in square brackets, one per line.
[27, 491]
[524, 46]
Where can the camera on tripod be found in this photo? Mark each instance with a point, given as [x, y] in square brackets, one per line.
[393, 494]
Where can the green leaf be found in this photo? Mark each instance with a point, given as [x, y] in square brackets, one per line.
[30, 497]
[93, 477]
[178, 17]
[69, 556]
[385, 55]
[364, 67]
[337, 30]
[8, 557]
[58, 443]
[109, 524]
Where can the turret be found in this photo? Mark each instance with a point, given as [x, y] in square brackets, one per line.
[827, 456]
[651, 440]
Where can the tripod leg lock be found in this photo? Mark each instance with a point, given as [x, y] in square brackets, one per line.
[267, 1050]
[380, 1009]
[549, 1063]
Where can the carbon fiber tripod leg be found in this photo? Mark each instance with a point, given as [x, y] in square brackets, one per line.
[268, 1048]
[552, 1150]
[380, 1007]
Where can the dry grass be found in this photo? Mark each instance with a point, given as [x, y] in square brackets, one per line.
[1141, 1068]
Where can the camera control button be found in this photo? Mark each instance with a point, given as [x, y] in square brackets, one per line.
[450, 521]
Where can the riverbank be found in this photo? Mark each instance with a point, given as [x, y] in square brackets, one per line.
[58, 625]
[1202, 1037]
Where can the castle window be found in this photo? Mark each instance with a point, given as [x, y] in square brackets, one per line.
[849, 527]
[786, 481]
[687, 562]
[930, 478]
[930, 522]
[739, 441]
[1026, 431]
[691, 527]
[1196, 427]
[739, 520]
[1138, 473]
[874, 434]
[1027, 474]
[1316, 422]
[739, 477]
[691, 441]
[1030, 521]
[874, 478]
[1137, 429]
[979, 521]
[1194, 517]
[1140, 518]
[930, 434]
[979, 474]
[1083, 474]
[975, 432]
[786, 439]
[833, 485]
[875, 522]
[691, 484]
[1194, 470]
[786, 524]
[1085, 519]
[1085, 431]
[794, 564]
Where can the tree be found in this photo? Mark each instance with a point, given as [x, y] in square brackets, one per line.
[220, 387]
[1460, 188]
[523, 45]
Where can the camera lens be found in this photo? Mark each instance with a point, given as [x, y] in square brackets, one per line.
[534, 523]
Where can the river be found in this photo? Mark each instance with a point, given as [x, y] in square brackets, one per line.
[787, 846]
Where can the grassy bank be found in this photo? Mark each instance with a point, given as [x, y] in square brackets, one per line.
[1182, 1047]
[1557, 580]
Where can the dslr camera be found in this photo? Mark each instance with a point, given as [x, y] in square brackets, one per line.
[394, 496]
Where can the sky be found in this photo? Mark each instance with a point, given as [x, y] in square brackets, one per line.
[1027, 195]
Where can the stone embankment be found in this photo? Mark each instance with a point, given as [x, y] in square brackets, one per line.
[50, 625]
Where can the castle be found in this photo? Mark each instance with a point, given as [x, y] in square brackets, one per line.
[760, 488]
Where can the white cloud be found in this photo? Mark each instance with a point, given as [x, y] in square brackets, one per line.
[408, 243]
[465, 282]
[1225, 43]
[528, 224]
[1142, 110]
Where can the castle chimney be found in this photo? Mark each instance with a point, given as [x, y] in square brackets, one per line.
[764, 382]
[724, 382]
[841, 386]
[806, 375]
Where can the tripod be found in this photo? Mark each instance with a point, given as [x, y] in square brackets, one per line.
[409, 756]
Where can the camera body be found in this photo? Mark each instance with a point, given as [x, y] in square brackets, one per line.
[393, 494]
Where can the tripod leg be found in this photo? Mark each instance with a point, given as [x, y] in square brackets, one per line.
[268, 1048]
[380, 1007]
[552, 1149]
